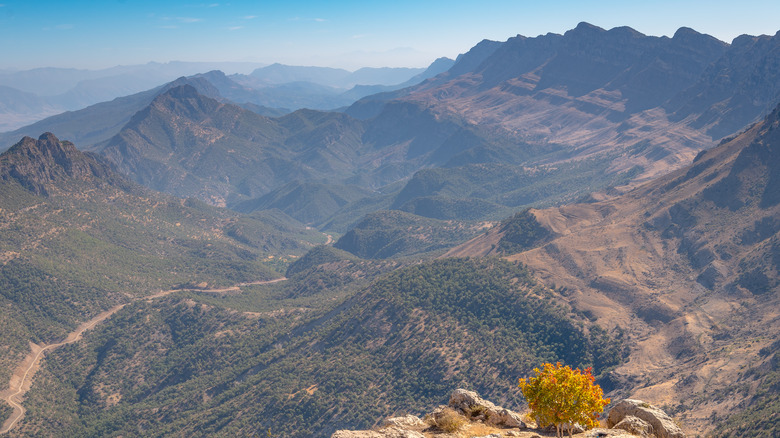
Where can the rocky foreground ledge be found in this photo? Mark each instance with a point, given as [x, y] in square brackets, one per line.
[469, 415]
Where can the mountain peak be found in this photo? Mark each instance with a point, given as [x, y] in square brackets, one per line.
[684, 32]
[626, 31]
[36, 164]
[584, 27]
[47, 145]
[686, 35]
[199, 83]
[184, 100]
[184, 91]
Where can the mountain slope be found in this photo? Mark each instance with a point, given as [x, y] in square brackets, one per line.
[271, 359]
[650, 102]
[509, 124]
[387, 234]
[325, 88]
[48, 164]
[77, 238]
[188, 144]
[434, 127]
[308, 202]
[739, 88]
[98, 122]
[191, 145]
[527, 89]
[690, 262]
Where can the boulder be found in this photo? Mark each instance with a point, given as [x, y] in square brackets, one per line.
[636, 426]
[663, 425]
[405, 422]
[475, 407]
[390, 432]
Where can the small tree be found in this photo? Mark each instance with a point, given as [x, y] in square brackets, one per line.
[559, 395]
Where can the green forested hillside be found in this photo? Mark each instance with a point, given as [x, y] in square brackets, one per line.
[77, 238]
[329, 169]
[343, 356]
[520, 232]
[386, 234]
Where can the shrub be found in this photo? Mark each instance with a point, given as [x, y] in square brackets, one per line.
[448, 420]
[559, 395]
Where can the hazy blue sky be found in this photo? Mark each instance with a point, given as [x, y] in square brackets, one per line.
[345, 33]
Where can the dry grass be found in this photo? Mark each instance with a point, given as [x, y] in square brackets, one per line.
[448, 420]
[479, 429]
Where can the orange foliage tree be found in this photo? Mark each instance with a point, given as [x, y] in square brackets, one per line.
[559, 395]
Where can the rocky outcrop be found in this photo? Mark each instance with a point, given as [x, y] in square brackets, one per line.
[635, 426]
[473, 406]
[468, 414]
[662, 425]
[40, 164]
[390, 432]
[405, 422]
[408, 426]
[466, 408]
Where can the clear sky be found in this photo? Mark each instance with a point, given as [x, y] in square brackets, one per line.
[338, 33]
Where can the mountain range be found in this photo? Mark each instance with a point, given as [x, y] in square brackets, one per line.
[32, 95]
[651, 251]
[63, 89]
[638, 107]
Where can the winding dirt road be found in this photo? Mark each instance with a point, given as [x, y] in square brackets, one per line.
[21, 380]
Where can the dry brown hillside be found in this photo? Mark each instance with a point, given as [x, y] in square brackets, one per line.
[688, 263]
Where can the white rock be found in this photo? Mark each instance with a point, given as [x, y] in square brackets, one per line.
[470, 402]
[663, 425]
[636, 426]
[405, 422]
[390, 432]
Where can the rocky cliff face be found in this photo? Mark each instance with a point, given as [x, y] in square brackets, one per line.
[40, 165]
[738, 88]
[658, 100]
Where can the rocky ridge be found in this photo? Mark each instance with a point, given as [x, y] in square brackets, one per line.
[38, 165]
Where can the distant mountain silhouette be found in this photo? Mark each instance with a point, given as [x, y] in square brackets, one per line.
[332, 77]
[98, 122]
[87, 126]
[531, 121]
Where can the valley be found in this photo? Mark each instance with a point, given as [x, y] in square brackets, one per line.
[21, 379]
[202, 259]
